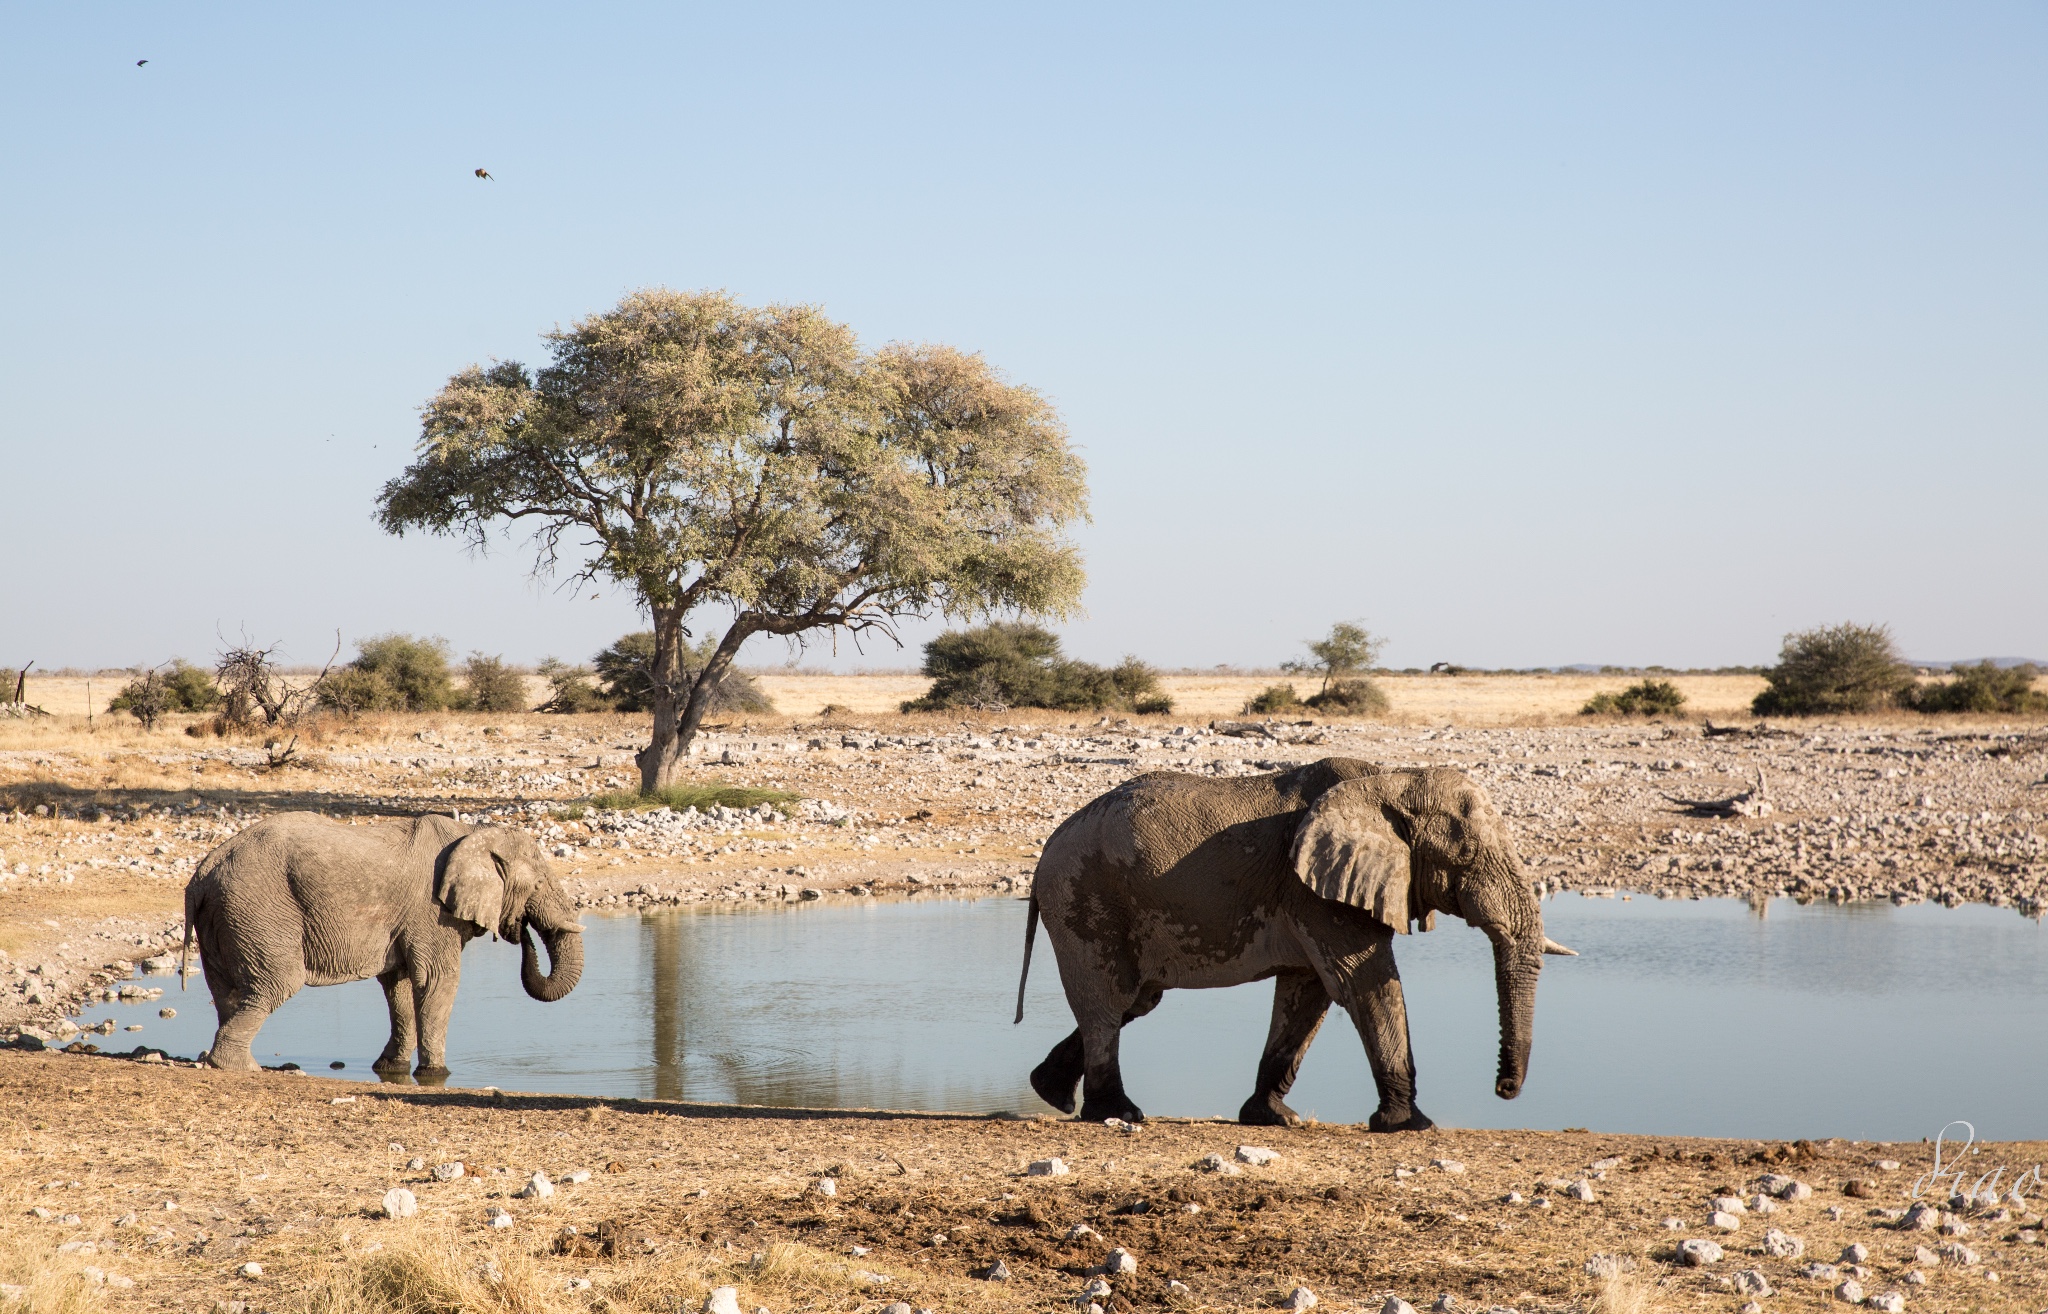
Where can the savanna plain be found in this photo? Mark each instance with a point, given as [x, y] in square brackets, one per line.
[133, 1180]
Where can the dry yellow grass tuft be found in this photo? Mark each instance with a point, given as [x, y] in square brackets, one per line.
[1627, 1291]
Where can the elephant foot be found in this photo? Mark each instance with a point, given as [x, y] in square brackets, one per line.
[391, 1063]
[1117, 1105]
[1268, 1110]
[230, 1062]
[435, 1076]
[1416, 1120]
[1054, 1086]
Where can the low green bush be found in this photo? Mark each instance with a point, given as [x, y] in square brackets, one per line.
[183, 688]
[625, 671]
[1350, 698]
[489, 685]
[681, 798]
[1833, 670]
[570, 689]
[1644, 698]
[392, 673]
[1984, 687]
[1273, 698]
[1007, 664]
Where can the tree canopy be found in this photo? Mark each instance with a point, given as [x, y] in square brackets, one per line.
[758, 462]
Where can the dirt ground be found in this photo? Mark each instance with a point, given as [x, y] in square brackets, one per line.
[100, 826]
[175, 1179]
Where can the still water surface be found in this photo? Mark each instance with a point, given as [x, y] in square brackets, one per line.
[1681, 1017]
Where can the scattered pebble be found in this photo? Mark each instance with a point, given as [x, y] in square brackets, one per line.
[1396, 1305]
[826, 1186]
[400, 1203]
[996, 1272]
[1698, 1253]
[1752, 1282]
[1299, 1299]
[1890, 1302]
[722, 1300]
[252, 1269]
[1780, 1245]
[1451, 1166]
[1120, 1263]
[1047, 1168]
[1855, 1253]
[537, 1187]
[499, 1218]
[1581, 1190]
[1850, 1291]
[1724, 1220]
[1256, 1155]
[1216, 1163]
[447, 1172]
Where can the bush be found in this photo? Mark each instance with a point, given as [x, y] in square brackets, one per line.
[1007, 664]
[1981, 688]
[570, 689]
[488, 685]
[626, 672]
[1350, 698]
[1644, 698]
[392, 673]
[1273, 698]
[183, 688]
[1834, 669]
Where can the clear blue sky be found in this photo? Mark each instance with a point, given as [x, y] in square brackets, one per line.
[1527, 334]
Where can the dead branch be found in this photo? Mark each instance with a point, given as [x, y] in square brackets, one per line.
[1749, 803]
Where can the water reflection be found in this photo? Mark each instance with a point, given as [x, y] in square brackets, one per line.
[1710, 1017]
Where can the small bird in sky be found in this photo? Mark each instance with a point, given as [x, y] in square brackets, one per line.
[140, 62]
[486, 177]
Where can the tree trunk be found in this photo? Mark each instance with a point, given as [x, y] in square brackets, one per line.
[708, 678]
[663, 754]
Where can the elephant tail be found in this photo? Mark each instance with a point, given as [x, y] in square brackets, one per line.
[185, 952]
[1030, 934]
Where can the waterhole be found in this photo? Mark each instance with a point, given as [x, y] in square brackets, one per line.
[1682, 1017]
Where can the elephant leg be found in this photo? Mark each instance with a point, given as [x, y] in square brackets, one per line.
[398, 997]
[1065, 1064]
[242, 1007]
[1102, 1077]
[1354, 958]
[1299, 1003]
[433, 1001]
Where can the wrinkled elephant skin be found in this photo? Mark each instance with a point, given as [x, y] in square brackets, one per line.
[298, 900]
[1306, 876]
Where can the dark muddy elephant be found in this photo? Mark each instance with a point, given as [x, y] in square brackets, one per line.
[299, 900]
[1173, 882]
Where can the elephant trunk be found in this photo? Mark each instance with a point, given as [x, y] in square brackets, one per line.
[1515, 965]
[549, 913]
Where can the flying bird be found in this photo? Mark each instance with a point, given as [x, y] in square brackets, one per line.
[140, 62]
[486, 177]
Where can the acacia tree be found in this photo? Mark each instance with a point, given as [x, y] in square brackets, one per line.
[754, 460]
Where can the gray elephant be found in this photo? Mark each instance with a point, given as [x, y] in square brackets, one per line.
[1173, 881]
[300, 900]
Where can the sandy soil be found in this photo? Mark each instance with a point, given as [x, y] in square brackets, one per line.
[290, 1172]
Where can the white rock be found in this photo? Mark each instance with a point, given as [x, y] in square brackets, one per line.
[400, 1203]
[996, 1272]
[1581, 1190]
[1727, 1222]
[1796, 1191]
[1097, 1289]
[1179, 1288]
[415, 1164]
[1819, 1272]
[1850, 1291]
[1772, 1183]
[1513, 1198]
[1120, 1263]
[575, 1178]
[1855, 1253]
[447, 1172]
[1752, 1282]
[897, 1307]
[1920, 1218]
[1749, 1307]
[1885, 1165]
[1762, 1204]
[1216, 1163]
[1396, 1305]
[1606, 1165]
[872, 1279]
[1891, 1302]
[537, 1187]
[1047, 1168]
[577, 1284]
[722, 1300]
[1257, 1156]
[1299, 1299]
[1607, 1266]
[1955, 1252]
[1080, 1232]
[1451, 1166]
[499, 1218]
[1779, 1245]
[1674, 1224]
[1915, 1278]
[1698, 1253]
[251, 1269]
[826, 1186]
[1727, 1204]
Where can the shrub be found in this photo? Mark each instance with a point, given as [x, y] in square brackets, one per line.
[626, 672]
[183, 688]
[1834, 669]
[392, 673]
[1273, 698]
[570, 689]
[1984, 687]
[488, 685]
[1006, 664]
[1644, 698]
[1350, 698]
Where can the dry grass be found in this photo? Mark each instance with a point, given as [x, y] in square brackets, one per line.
[1628, 1291]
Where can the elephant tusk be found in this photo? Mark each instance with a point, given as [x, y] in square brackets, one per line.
[1551, 946]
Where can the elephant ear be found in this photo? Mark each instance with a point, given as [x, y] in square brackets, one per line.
[1347, 851]
[472, 882]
